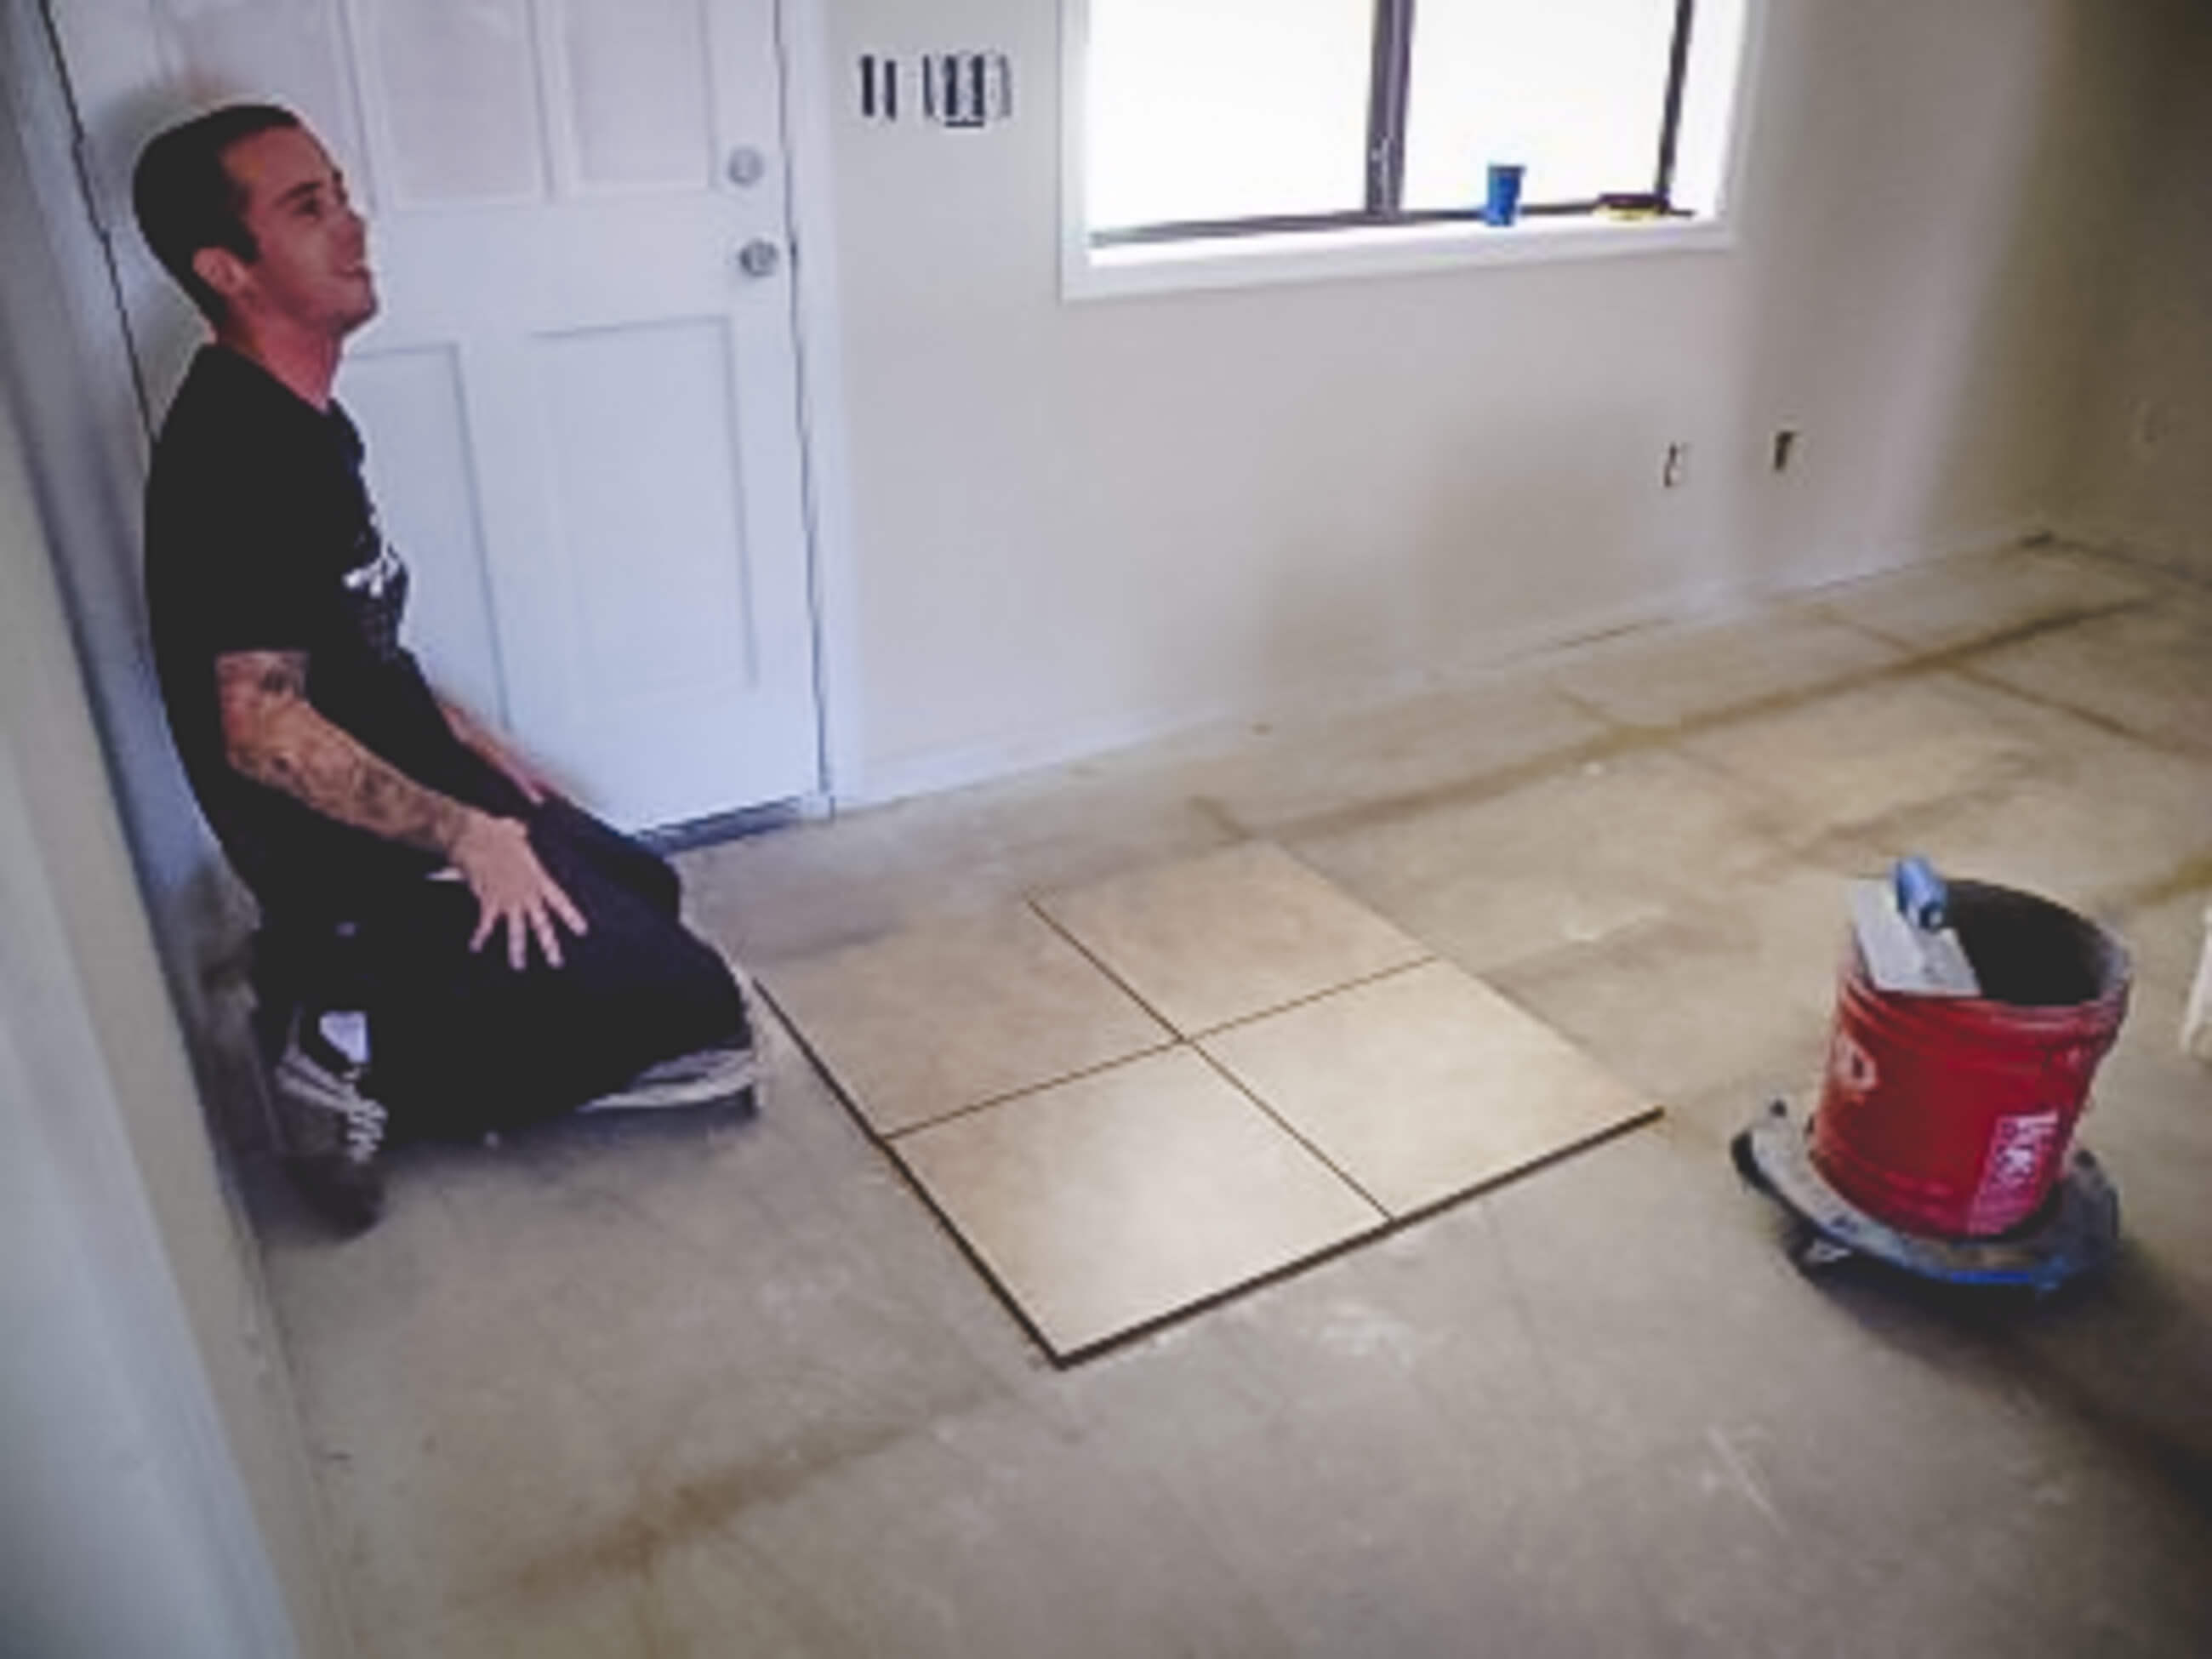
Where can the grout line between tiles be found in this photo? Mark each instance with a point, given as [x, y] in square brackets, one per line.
[1294, 1133]
[1093, 958]
[886, 1146]
[1428, 958]
[1173, 1042]
[1389, 1227]
[883, 1137]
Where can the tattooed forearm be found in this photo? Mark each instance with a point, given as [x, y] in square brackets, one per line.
[310, 759]
[273, 735]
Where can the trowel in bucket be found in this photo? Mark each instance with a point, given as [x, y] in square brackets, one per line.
[1902, 934]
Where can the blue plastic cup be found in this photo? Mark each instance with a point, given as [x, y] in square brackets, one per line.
[1502, 205]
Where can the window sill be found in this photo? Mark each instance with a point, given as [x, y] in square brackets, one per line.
[1308, 256]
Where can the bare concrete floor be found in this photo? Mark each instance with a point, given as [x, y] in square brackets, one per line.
[710, 1386]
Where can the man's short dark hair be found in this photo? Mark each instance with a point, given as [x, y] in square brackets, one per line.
[186, 198]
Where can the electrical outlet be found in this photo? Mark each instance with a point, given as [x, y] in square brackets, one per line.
[1676, 472]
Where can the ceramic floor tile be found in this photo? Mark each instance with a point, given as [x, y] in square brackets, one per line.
[1665, 677]
[1425, 1084]
[944, 1017]
[1225, 937]
[1106, 1202]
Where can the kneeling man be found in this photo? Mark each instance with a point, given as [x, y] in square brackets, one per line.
[514, 958]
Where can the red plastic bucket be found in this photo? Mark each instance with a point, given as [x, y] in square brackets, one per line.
[1952, 1115]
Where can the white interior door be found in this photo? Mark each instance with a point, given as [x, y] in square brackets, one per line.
[580, 401]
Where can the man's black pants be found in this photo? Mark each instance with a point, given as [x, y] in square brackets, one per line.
[461, 1043]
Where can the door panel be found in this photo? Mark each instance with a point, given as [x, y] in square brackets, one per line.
[655, 597]
[581, 416]
[637, 95]
[453, 91]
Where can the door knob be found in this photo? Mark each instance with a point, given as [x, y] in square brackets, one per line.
[760, 257]
[748, 167]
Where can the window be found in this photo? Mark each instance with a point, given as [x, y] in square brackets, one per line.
[1204, 128]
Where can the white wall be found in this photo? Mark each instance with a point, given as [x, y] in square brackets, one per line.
[150, 1441]
[154, 1493]
[1075, 525]
[64, 363]
[2141, 473]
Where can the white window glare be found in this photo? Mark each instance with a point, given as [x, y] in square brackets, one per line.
[1709, 106]
[1572, 91]
[1226, 109]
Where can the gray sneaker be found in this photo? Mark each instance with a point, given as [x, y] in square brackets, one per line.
[708, 1077]
[329, 1135]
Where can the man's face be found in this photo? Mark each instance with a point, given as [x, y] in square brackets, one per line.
[310, 268]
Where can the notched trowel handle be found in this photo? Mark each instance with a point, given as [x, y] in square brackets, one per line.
[1922, 897]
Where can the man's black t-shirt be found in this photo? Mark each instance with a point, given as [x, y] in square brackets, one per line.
[260, 536]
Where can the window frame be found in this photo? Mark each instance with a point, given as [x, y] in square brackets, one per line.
[1382, 235]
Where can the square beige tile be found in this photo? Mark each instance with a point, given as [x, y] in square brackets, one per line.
[1426, 1084]
[932, 1021]
[1235, 934]
[1110, 1201]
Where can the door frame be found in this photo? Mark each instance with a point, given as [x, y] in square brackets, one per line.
[811, 82]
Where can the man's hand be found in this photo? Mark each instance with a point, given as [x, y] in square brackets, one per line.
[275, 736]
[494, 857]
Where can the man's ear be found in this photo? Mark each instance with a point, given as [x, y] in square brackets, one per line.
[222, 270]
